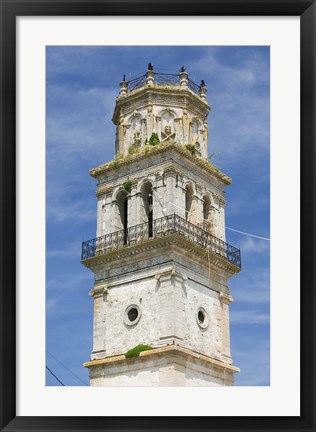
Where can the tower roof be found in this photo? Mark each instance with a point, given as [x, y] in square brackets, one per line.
[151, 81]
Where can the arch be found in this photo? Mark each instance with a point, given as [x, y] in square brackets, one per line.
[189, 192]
[146, 191]
[196, 126]
[121, 216]
[191, 185]
[142, 182]
[207, 213]
[165, 113]
[135, 129]
[167, 118]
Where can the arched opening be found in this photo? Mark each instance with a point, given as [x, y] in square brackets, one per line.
[188, 202]
[207, 216]
[147, 194]
[122, 204]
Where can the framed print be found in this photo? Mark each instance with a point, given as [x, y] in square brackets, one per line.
[200, 92]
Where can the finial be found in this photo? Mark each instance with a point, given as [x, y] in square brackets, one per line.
[124, 76]
[182, 69]
[150, 67]
[202, 83]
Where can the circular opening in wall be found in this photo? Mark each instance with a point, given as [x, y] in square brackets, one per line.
[202, 318]
[132, 315]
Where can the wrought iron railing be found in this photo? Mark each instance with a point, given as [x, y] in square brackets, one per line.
[194, 87]
[162, 78]
[159, 228]
[136, 83]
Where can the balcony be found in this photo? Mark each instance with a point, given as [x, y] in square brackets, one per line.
[164, 79]
[172, 224]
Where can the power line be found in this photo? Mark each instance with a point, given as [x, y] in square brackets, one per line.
[55, 376]
[188, 212]
[250, 235]
[72, 373]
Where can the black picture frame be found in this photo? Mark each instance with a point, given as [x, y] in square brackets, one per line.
[11, 9]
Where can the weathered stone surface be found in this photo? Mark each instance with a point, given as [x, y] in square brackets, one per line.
[175, 289]
[168, 366]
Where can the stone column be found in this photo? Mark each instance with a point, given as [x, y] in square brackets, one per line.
[203, 91]
[132, 205]
[180, 209]
[158, 199]
[99, 326]
[219, 218]
[150, 78]
[225, 301]
[170, 179]
[183, 80]
[186, 126]
[171, 304]
[120, 134]
[100, 204]
[123, 89]
[150, 121]
[143, 132]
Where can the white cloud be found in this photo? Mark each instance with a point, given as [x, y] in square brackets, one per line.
[69, 251]
[247, 317]
[70, 281]
[252, 354]
[51, 303]
[58, 211]
[252, 286]
[239, 120]
[254, 245]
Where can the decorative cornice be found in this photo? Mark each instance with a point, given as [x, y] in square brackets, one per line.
[148, 246]
[103, 190]
[169, 273]
[148, 95]
[148, 150]
[167, 349]
[226, 298]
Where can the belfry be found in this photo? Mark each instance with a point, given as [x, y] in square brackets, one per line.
[160, 259]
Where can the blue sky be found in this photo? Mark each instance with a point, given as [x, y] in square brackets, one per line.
[82, 84]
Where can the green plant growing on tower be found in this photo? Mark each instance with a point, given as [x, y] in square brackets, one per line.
[154, 139]
[191, 148]
[134, 352]
[127, 186]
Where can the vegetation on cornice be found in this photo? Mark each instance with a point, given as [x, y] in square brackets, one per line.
[134, 352]
[140, 153]
[191, 148]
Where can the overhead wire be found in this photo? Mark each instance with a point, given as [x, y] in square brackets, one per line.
[65, 367]
[191, 213]
[55, 376]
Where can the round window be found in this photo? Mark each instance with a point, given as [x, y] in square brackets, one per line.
[132, 315]
[202, 317]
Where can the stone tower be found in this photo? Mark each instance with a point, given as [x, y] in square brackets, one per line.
[160, 259]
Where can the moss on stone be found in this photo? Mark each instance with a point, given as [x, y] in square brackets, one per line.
[191, 148]
[134, 352]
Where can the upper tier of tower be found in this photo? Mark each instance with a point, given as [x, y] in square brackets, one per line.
[161, 107]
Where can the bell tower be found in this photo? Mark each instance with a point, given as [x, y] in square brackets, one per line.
[160, 259]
